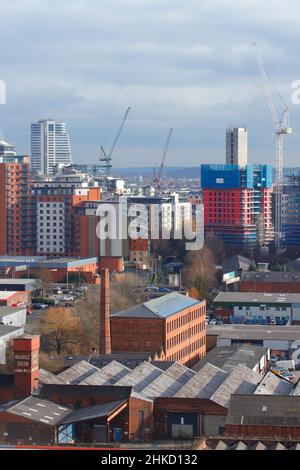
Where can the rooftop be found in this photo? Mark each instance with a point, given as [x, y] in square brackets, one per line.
[229, 357]
[5, 295]
[264, 410]
[270, 276]
[36, 409]
[253, 298]
[161, 307]
[4, 311]
[7, 330]
[92, 412]
[254, 332]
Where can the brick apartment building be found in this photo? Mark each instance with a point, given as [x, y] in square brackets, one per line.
[53, 211]
[16, 230]
[173, 324]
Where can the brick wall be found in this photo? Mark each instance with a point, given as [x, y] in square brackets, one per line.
[260, 432]
[276, 287]
[18, 430]
[137, 334]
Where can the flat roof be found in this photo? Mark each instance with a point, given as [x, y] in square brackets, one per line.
[15, 284]
[36, 261]
[256, 298]
[229, 357]
[10, 310]
[254, 332]
[161, 307]
[270, 276]
[7, 329]
[6, 294]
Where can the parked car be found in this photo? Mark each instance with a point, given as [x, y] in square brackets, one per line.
[38, 306]
[163, 289]
[68, 298]
[213, 321]
[57, 291]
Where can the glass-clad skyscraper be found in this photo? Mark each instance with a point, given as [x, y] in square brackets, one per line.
[50, 145]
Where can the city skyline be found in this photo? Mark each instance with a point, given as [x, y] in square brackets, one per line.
[161, 59]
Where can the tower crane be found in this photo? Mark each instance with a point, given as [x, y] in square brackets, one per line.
[106, 157]
[157, 179]
[282, 128]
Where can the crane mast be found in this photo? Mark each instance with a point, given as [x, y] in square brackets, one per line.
[281, 128]
[157, 179]
[106, 157]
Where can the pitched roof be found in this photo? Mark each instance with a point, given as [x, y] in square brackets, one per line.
[264, 410]
[229, 357]
[161, 307]
[77, 373]
[37, 409]
[271, 384]
[204, 383]
[92, 412]
[241, 380]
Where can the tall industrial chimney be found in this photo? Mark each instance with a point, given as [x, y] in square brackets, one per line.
[104, 334]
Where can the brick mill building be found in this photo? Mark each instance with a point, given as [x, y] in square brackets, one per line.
[173, 324]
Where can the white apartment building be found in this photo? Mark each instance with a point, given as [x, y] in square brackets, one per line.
[50, 145]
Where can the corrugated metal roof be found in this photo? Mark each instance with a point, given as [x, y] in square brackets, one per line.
[271, 384]
[78, 372]
[108, 375]
[204, 383]
[169, 382]
[241, 380]
[44, 411]
[264, 410]
[141, 376]
[229, 357]
[47, 377]
[91, 412]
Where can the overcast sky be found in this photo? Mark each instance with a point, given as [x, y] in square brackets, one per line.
[187, 64]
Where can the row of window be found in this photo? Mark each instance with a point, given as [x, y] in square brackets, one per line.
[184, 319]
[184, 335]
[187, 350]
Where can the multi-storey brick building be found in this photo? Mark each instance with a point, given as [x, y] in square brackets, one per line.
[53, 211]
[174, 324]
[237, 203]
[16, 235]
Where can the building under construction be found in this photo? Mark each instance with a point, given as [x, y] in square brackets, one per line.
[291, 210]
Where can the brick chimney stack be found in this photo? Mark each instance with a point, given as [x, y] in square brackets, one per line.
[104, 334]
[26, 354]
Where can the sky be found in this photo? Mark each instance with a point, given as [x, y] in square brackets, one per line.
[186, 64]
